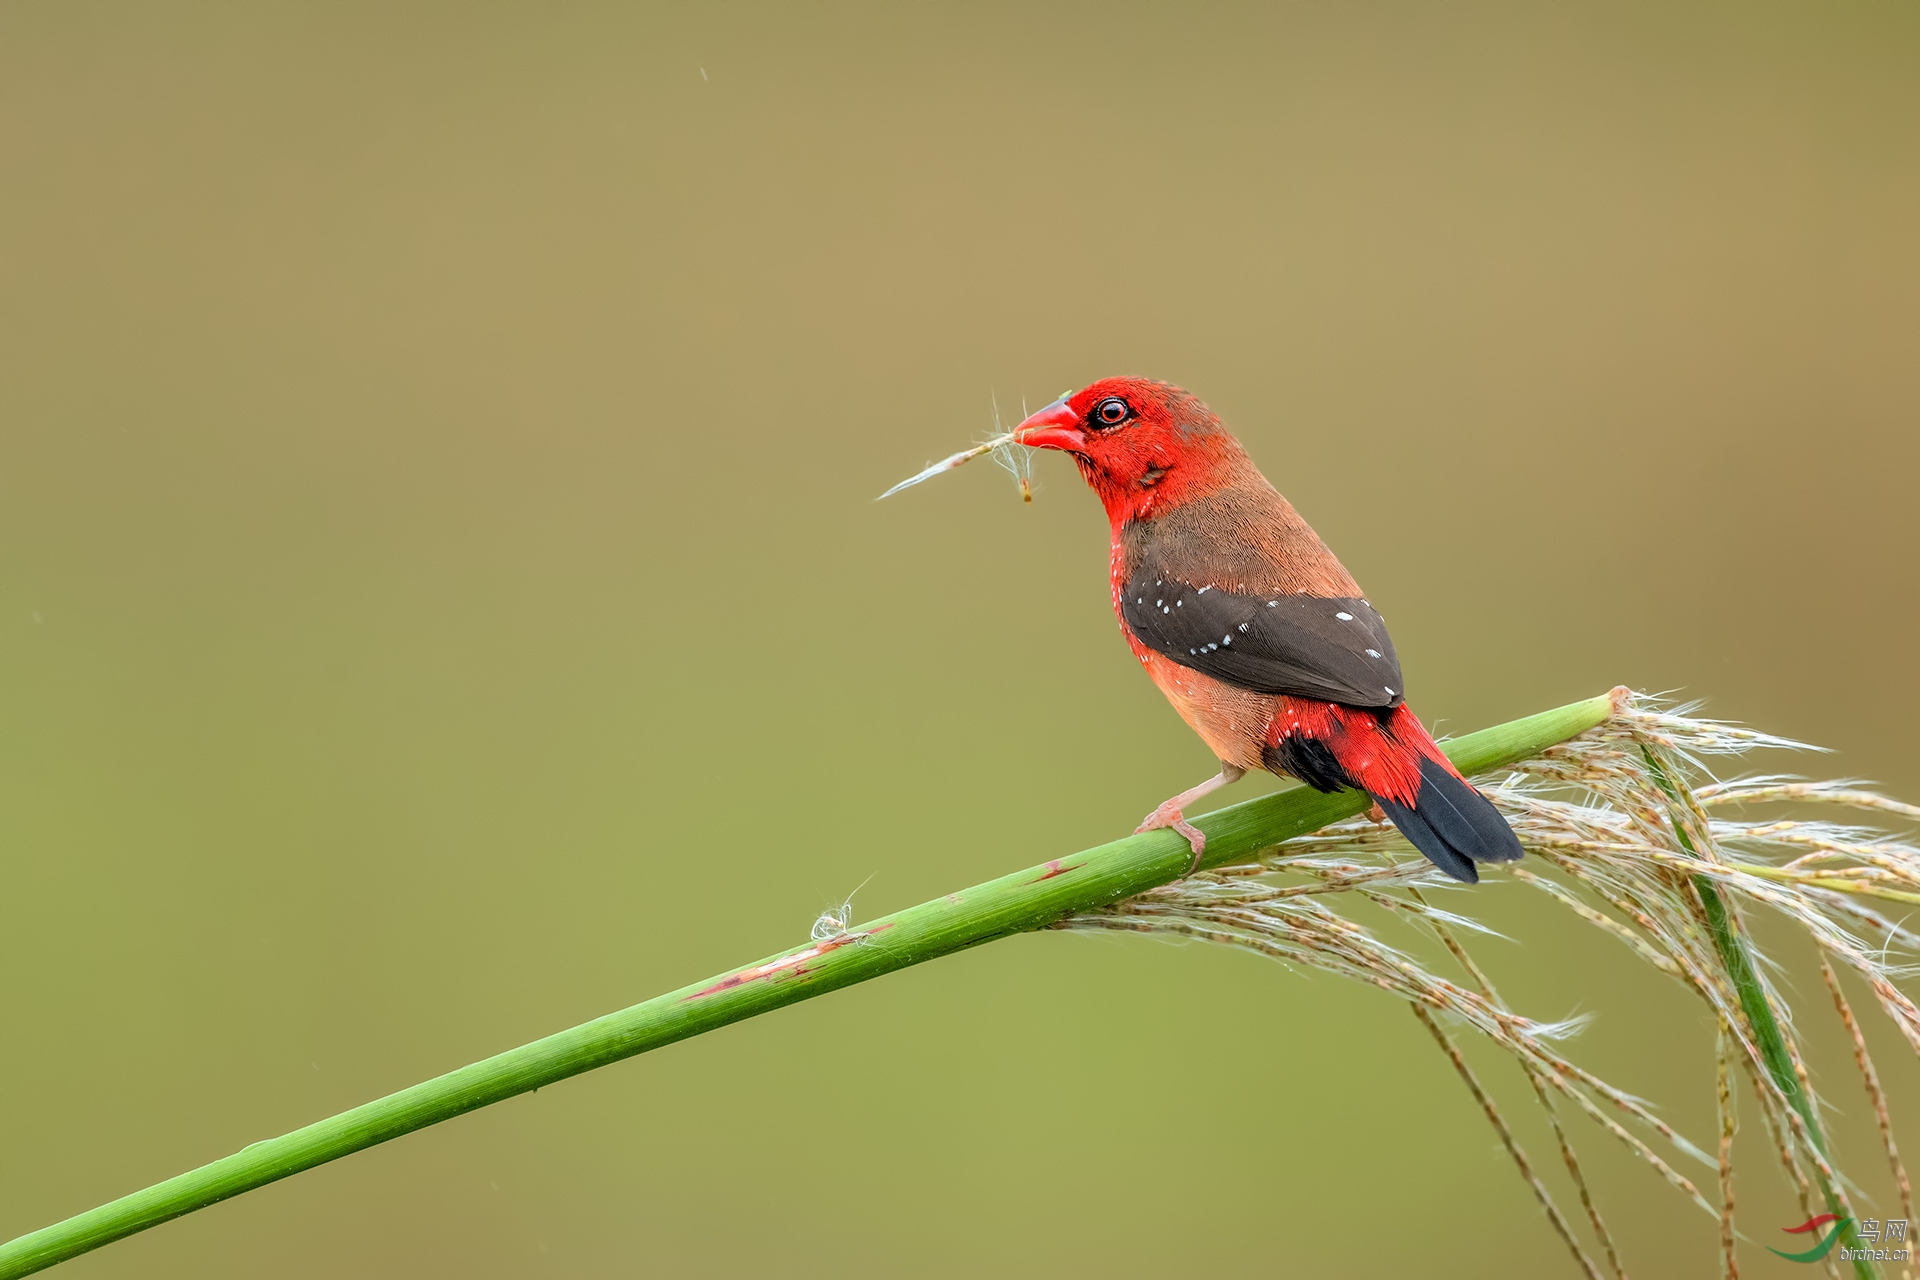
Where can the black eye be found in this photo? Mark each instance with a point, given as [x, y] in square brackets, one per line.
[1111, 412]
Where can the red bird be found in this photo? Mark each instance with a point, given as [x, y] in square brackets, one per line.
[1251, 627]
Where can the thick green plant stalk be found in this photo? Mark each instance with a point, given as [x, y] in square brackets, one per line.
[1031, 899]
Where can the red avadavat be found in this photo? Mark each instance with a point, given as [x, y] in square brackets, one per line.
[1250, 626]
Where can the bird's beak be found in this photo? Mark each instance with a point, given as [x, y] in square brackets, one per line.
[1055, 427]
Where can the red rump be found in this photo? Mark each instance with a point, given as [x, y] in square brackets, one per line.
[1381, 756]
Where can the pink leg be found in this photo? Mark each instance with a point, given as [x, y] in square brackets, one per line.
[1171, 814]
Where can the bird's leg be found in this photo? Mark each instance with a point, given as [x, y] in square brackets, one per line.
[1171, 813]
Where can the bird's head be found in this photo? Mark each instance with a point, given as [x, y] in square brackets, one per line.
[1144, 446]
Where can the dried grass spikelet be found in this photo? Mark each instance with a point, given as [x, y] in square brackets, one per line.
[1624, 823]
[1009, 455]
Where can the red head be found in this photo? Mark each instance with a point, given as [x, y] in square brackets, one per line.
[1144, 446]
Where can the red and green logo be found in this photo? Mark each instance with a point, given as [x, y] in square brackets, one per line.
[1825, 1246]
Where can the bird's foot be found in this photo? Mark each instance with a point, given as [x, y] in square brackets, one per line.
[1169, 815]
[1377, 815]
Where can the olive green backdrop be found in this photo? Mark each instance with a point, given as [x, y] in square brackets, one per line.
[442, 597]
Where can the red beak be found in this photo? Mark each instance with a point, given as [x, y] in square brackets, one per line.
[1055, 427]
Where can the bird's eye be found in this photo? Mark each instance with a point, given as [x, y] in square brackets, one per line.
[1111, 412]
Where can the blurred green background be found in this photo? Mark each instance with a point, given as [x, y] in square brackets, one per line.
[442, 597]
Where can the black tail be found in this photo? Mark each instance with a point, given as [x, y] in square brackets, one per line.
[1453, 824]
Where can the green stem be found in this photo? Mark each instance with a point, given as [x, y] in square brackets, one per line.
[1030, 899]
[1834, 880]
[1767, 1035]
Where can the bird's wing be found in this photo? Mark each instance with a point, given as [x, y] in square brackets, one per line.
[1332, 648]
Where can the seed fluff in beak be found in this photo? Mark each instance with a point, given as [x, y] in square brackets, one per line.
[1014, 458]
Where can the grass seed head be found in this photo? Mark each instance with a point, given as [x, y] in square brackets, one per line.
[1623, 824]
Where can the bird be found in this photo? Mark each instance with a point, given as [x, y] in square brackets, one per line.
[1251, 627]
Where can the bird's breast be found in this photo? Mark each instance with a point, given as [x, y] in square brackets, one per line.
[1233, 722]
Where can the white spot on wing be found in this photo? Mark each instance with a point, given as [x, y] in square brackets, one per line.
[1344, 617]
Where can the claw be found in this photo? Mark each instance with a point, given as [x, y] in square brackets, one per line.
[1170, 816]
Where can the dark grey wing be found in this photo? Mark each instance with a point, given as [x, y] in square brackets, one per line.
[1332, 648]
